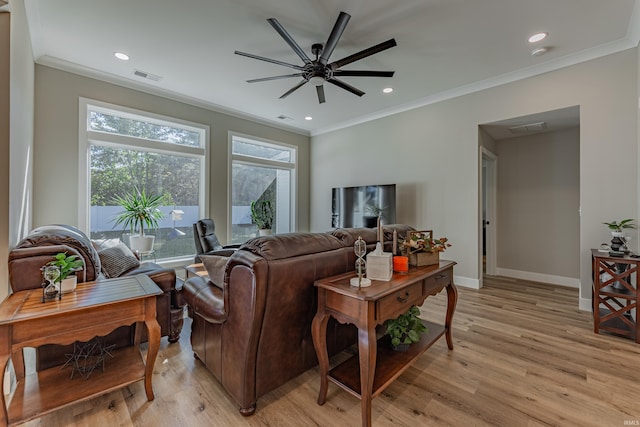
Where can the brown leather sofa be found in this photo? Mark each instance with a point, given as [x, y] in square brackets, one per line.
[41, 245]
[253, 331]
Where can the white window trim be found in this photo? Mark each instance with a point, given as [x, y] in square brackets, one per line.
[115, 140]
[291, 165]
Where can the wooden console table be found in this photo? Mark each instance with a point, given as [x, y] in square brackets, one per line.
[94, 309]
[615, 294]
[368, 307]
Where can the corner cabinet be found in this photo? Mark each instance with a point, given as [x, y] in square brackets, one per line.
[615, 294]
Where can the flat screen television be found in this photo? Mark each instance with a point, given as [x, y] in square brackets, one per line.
[360, 206]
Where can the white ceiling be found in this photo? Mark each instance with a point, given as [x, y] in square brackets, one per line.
[445, 48]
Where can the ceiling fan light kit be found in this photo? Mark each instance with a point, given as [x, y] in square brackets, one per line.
[319, 70]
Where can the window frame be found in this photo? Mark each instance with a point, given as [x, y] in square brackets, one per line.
[88, 138]
[291, 166]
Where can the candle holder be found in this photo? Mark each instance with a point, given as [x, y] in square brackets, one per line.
[360, 249]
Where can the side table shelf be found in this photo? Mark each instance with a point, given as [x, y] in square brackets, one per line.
[390, 364]
[42, 392]
[615, 294]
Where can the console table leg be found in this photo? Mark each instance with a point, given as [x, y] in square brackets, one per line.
[319, 334]
[452, 299]
[153, 332]
[367, 349]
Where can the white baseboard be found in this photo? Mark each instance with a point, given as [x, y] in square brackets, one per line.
[585, 304]
[466, 282]
[570, 282]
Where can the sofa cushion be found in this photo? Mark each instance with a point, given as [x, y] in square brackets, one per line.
[215, 266]
[291, 245]
[117, 259]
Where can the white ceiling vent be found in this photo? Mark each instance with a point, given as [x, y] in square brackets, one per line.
[146, 75]
[531, 127]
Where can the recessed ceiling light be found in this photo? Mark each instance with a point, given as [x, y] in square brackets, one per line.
[308, 118]
[387, 90]
[122, 56]
[537, 37]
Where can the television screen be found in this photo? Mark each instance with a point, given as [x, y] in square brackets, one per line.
[361, 206]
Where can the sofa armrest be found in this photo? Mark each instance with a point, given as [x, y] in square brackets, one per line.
[24, 264]
[205, 299]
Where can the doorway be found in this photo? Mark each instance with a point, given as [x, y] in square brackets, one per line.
[489, 203]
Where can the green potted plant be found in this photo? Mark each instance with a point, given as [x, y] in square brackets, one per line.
[140, 210]
[262, 214]
[619, 240]
[405, 329]
[617, 227]
[67, 265]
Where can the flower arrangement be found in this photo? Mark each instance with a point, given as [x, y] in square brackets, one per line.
[423, 241]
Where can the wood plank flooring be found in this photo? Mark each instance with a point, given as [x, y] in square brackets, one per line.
[524, 356]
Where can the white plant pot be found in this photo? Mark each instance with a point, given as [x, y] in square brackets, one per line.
[69, 284]
[141, 244]
[264, 232]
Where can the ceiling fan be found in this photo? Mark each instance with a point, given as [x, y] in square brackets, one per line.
[319, 70]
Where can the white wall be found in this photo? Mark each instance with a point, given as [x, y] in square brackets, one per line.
[16, 162]
[56, 144]
[538, 200]
[5, 32]
[432, 153]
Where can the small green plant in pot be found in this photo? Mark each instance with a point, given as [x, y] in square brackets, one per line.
[405, 329]
[140, 210]
[262, 214]
[619, 241]
[67, 264]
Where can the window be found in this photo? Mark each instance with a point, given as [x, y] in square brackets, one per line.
[261, 170]
[124, 151]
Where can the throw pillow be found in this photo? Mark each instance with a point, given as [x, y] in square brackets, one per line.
[117, 260]
[215, 265]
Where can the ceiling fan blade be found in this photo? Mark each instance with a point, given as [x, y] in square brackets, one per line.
[336, 33]
[320, 92]
[363, 73]
[346, 86]
[293, 89]
[265, 79]
[290, 41]
[364, 53]
[273, 61]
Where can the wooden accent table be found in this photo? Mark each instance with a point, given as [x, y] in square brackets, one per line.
[367, 307]
[615, 294]
[94, 309]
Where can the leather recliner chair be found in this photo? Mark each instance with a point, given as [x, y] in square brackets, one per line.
[207, 243]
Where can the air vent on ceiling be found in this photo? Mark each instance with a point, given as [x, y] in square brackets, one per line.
[146, 75]
[531, 127]
[283, 117]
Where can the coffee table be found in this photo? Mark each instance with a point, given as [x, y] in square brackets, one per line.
[94, 309]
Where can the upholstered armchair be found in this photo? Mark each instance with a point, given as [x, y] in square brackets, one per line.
[207, 243]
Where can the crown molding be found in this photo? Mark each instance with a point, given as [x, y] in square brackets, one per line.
[92, 73]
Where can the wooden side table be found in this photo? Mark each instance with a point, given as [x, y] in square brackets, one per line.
[615, 294]
[377, 365]
[94, 309]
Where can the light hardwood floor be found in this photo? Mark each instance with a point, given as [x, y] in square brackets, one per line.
[524, 356]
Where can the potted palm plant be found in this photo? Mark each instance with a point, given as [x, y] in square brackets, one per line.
[140, 211]
[262, 214]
